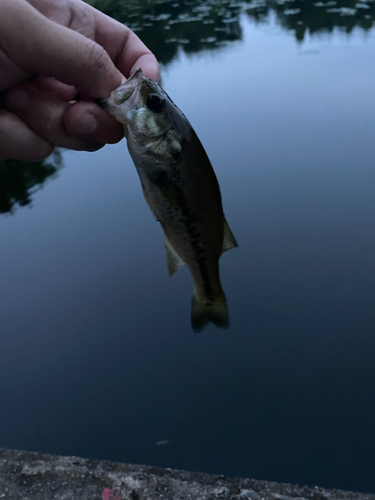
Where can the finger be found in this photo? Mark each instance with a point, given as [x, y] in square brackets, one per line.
[58, 89]
[124, 47]
[61, 52]
[79, 116]
[44, 114]
[10, 73]
[147, 63]
[20, 142]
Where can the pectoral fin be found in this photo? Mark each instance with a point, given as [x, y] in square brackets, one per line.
[229, 241]
[174, 262]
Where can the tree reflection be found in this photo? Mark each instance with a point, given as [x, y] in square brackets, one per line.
[19, 180]
[167, 26]
[195, 25]
[316, 16]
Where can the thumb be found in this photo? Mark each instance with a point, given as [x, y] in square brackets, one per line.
[40, 46]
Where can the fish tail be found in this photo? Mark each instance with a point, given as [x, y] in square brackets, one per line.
[203, 312]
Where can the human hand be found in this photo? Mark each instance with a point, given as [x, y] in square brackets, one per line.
[56, 57]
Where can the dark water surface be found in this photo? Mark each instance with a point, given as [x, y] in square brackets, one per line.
[97, 357]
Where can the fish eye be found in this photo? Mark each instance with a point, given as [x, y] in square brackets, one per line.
[154, 103]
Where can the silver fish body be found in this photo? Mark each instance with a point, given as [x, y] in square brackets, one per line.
[181, 188]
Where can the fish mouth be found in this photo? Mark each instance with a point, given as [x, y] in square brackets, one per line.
[122, 93]
[123, 99]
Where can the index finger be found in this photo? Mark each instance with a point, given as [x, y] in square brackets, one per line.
[39, 46]
[126, 50]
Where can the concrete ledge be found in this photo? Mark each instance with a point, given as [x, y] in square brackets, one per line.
[33, 476]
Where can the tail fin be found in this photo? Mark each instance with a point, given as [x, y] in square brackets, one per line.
[203, 312]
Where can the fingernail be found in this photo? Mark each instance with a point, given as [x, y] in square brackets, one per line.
[16, 99]
[86, 124]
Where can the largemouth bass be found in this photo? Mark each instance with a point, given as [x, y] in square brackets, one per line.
[181, 188]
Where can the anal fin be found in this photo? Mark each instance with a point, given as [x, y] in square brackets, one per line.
[229, 241]
[174, 262]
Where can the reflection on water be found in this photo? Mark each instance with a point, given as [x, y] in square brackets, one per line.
[198, 25]
[96, 348]
[193, 26]
[315, 16]
[19, 180]
[166, 26]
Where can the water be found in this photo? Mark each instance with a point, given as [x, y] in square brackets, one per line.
[97, 357]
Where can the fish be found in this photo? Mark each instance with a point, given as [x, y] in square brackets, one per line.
[180, 187]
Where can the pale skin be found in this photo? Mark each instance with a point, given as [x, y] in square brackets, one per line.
[56, 58]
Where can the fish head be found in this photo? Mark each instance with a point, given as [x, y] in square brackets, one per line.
[147, 114]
